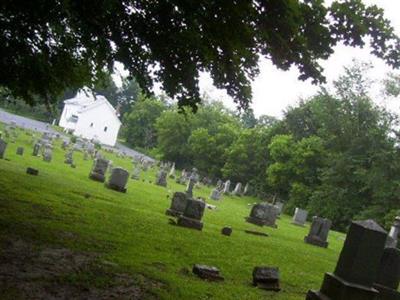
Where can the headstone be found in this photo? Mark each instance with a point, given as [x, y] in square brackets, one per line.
[263, 214]
[85, 155]
[266, 278]
[192, 181]
[192, 214]
[227, 187]
[36, 149]
[226, 231]
[161, 178]
[207, 272]
[220, 185]
[216, 194]
[357, 267]
[246, 189]
[118, 179]
[47, 154]
[32, 171]
[319, 230]
[20, 151]
[3, 146]
[299, 217]
[136, 172]
[99, 170]
[178, 204]
[279, 206]
[64, 145]
[172, 172]
[69, 157]
[393, 235]
[238, 189]
[388, 278]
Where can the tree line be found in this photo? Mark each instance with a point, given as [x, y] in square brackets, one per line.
[335, 154]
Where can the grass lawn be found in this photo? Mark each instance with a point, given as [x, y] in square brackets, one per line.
[62, 207]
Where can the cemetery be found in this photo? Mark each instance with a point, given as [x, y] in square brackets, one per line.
[70, 208]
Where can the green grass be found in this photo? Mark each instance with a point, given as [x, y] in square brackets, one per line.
[132, 230]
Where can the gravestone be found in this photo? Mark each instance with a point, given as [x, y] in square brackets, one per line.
[192, 214]
[246, 189]
[32, 171]
[178, 204]
[64, 145]
[3, 146]
[220, 185]
[388, 278]
[279, 206]
[161, 178]
[227, 187]
[99, 170]
[69, 158]
[238, 189]
[192, 181]
[318, 232]
[171, 173]
[357, 267]
[392, 238]
[47, 154]
[216, 194]
[299, 217]
[207, 272]
[263, 214]
[118, 179]
[36, 149]
[20, 151]
[85, 155]
[266, 278]
[227, 231]
[136, 173]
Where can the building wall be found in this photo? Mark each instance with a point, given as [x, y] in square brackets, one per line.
[68, 111]
[92, 123]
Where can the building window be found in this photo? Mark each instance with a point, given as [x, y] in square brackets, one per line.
[105, 129]
[91, 124]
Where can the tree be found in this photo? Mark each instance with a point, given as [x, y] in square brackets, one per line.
[139, 124]
[49, 47]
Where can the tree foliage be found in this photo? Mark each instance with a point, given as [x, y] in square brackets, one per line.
[48, 47]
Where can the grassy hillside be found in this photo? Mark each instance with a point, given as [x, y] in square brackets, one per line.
[62, 207]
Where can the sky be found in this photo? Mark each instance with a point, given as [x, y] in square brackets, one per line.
[274, 90]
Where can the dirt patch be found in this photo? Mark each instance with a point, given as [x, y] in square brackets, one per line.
[29, 271]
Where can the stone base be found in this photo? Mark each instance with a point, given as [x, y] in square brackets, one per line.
[260, 222]
[386, 293]
[335, 288]
[32, 171]
[116, 188]
[97, 177]
[298, 224]
[190, 223]
[313, 240]
[173, 213]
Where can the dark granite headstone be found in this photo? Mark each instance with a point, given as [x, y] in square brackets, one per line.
[118, 179]
[266, 278]
[99, 170]
[388, 278]
[192, 214]
[178, 204]
[226, 231]
[3, 146]
[357, 267]
[20, 151]
[32, 171]
[263, 214]
[319, 230]
[36, 149]
[207, 272]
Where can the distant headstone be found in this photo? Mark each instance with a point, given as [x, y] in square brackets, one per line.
[3, 146]
[319, 230]
[388, 278]
[238, 189]
[47, 154]
[69, 157]
[36, 149]
[171, 173]
[64, 145]
[178, 204]
[136, 172]
[300, 217]
[226, 231]
[227, 187]
[266, 278]
[393, 235]
[192, 214]
[216, 194]
[246, 189]
[279, 206]
[207, 272]
[357, 267]
[20, 151]
[161, 178]
[192, 182]
[99, 170]
[32, 171]
[118, 179]
[263, 214]
[85, 155]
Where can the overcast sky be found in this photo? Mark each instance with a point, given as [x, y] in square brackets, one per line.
[274, 90]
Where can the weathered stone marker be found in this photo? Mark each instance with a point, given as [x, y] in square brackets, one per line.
[246, 189]
[47, 154]
[215, 194]
[263, 214]
[3, 146]
[299, 217]
[226, 231]
[118, 180]
[69, 157]
[238, 189]
[279, 205]
[36, 149]
[178, 204]
[388, 278]
[266, 278]
[192, 214]
[99, 170]
[227, 187]
[161, 178]
[319, 230]
[357, 267]
[207, 272]
[393, 235]
[32, 171]
[136, 172]
[20, 151]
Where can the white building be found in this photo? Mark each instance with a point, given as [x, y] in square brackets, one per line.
[91, 117]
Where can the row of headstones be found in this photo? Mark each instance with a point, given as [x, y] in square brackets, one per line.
[46, 150]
